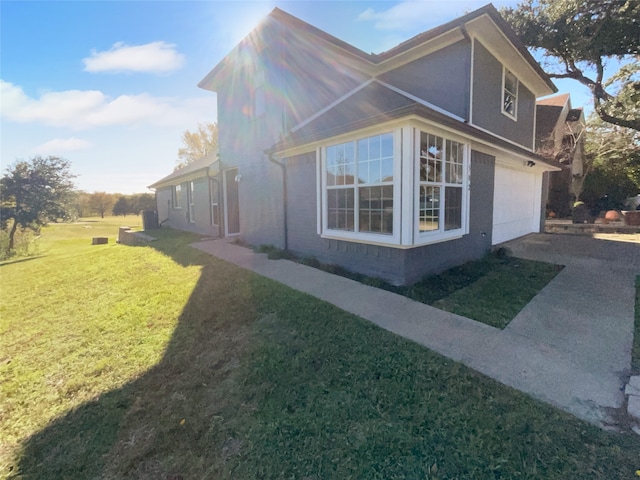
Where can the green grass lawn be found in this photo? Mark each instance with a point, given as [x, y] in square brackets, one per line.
[492, 290]
[160, 362]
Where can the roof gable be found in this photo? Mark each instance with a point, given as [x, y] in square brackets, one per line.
[485, 23]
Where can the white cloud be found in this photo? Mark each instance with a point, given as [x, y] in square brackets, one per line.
[154, 57]
[85, 109]
[60, 145]
[412, 15]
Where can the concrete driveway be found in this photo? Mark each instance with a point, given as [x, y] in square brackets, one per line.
[570, 346]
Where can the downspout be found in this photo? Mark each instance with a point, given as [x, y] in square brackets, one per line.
[283, 166]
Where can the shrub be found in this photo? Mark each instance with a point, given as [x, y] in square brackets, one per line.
[25, 244]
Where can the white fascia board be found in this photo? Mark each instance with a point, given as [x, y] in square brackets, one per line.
[494, 40]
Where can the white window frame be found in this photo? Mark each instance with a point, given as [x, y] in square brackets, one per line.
[406, 188]
[176, 194]
[364, 237]
[504, 91]
[439, 235]
[191, 201]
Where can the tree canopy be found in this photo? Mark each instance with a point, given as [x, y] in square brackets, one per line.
[32, 192]
[198, 144]
[579, 38]
[614, 153]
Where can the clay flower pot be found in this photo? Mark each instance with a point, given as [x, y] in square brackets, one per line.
[611, 216]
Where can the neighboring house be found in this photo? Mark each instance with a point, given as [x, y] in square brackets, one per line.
[395, 165]
[189, 198]
[560, 136]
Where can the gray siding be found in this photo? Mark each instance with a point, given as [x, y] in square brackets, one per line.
[441, 78]
[178, 217]
[293, 68]
[487, 101]
[392, 264]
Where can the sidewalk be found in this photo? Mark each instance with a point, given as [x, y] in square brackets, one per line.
[570, 346]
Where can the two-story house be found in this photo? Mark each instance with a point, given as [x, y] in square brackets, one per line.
[395, 165]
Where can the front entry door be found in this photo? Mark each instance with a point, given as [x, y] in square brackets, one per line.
[232, 203]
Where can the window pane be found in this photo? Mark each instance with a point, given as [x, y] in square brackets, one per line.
[430, 158]
[509, 103]
[340, 209]
[387, 170]
[376, 209]
[340, 164]
[453, 208]
[387, 145]
[510, 82]
[372, 166]
[429, 208]
[454, 162]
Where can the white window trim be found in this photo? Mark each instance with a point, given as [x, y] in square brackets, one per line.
[440, 235]
[365, 237]
[513, 116]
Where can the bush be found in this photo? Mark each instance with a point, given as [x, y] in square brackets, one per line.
[25, 244]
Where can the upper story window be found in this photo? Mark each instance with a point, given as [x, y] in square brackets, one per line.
[176, 193]
[509, 93]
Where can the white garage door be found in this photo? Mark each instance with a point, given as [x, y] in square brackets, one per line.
[516, 203]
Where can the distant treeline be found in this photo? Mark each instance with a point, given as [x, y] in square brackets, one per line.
[101, 203]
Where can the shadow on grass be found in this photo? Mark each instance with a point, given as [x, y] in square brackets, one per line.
[20, 260]
[127, 432]
[259, 381]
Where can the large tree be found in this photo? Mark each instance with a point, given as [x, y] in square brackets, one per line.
[198, 144]
[101, 202]
[579, 38]
[122, 206]
[613, 154]
[34, 191]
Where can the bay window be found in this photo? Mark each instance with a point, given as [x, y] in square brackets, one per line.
[404, 188]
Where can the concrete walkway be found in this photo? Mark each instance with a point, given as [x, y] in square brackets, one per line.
[570, 346]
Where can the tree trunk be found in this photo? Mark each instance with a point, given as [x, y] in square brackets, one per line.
[12, 234]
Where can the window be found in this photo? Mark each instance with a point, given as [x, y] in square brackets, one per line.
[441, 166]
[176, 192]
[359, 179]
[403, 188]
[215, 202]
[509, 93]
[190, 201]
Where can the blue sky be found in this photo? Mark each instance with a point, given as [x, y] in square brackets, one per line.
[112, 85]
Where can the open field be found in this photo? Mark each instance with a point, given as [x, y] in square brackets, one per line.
[160, 362]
